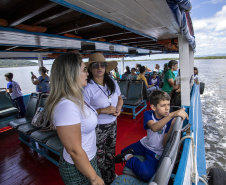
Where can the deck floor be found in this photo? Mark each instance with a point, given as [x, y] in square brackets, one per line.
[19, 164]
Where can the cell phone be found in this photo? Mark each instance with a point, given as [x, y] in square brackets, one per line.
[32, 73]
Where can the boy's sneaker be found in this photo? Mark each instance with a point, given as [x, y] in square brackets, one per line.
[121, 157]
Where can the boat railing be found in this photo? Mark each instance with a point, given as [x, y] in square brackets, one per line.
[168, 158]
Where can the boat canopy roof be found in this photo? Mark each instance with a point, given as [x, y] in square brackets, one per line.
[115, 28]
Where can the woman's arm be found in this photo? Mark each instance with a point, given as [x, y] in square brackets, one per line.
[35, 82]
[119, 106]
[172, 84]
[70, 136]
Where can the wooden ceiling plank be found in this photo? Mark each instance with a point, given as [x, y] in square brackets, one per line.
[32, 14]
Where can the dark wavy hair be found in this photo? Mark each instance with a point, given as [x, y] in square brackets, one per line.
[107, 80]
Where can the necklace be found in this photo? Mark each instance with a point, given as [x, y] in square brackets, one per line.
[108, 95]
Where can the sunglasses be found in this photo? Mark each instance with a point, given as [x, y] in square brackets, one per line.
[96, 65]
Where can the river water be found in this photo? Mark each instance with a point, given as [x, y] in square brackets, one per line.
[211, 72]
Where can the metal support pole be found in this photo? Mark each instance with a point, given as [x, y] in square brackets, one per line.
[122, 66]
[191, 61]
[40, 60]
[184, 70]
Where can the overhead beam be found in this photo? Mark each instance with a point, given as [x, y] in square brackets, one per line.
[104, 33]
[27, 16]
[73, 25]
[10, 48]
[49, 18]
[124, 36]
[135, 40]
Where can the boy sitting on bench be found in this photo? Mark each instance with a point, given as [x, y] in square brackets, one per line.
[159, 123]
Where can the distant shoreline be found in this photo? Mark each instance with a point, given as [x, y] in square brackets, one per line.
[25, 63]
[16, 63]
[195, 58]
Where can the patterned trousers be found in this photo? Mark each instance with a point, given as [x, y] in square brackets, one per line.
[106, 141]
[71, 175]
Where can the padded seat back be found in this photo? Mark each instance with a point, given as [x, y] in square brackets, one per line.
[145, 93]
[124, 85]
[5, 100]
[125, 76]
[135, 91]
[32, 105]
[42, 100]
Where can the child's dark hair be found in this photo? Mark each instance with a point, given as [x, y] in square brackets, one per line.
[156, 96]
[195, 68]
[142, 69]
[9, 75]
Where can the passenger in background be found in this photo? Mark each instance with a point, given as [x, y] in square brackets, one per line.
[169, 77]
[157, 69]
[116, 74]
[127, 72]
[196, 77]
[74, 120]
[42, 82]
[175, 94]
[158, 122]
[141, 76]
[13, 88]
[165, 69]
[147, 69]
[154, 80]
[137, 66]
[103, 93]
[133, 75]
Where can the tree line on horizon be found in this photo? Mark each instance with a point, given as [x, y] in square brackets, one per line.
[21, 63]
[16, 63]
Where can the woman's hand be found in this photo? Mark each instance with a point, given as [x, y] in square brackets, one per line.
[108, 110]
[97, 181]
[118, 111]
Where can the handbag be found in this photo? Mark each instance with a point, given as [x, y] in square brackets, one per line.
[40, 120]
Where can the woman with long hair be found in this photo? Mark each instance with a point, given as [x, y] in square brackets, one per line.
[75, 121]
[104, 95]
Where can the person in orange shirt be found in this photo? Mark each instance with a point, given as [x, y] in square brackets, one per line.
[141, 76]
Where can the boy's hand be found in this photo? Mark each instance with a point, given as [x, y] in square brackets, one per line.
[180, 113]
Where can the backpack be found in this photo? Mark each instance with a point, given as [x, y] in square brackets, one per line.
[40, 120]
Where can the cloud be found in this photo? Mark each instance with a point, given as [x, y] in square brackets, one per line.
[208, 2]
[210, 33]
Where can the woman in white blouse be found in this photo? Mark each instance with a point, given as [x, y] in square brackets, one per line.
[104, 95]
[74, 120]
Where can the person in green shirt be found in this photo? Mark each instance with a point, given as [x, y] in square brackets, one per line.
[169, 77]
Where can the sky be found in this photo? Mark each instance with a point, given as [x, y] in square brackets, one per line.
[209, 24]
